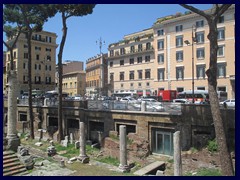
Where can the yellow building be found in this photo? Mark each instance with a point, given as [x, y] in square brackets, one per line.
[167, 64]
[43, 61]
[96, 76]
[131, 63]
[181, 61]
[74, 83]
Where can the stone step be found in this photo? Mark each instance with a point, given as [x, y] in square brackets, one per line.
[5, 157]
[7, 165]
[13, 168]
[24, 173]
[15, 172]
[151, 167]
[8, 153]
[6, 161]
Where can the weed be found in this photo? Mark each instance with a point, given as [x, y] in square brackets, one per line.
[212, 146]
[205, 172]
[109, 160]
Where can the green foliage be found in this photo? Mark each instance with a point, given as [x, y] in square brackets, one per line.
[212, 146]
[205, 172]
[114, 137]
[109, 160]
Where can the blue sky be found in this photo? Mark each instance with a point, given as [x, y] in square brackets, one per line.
[110, 22]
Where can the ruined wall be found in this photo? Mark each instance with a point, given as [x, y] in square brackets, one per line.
[195, 123]
[138, 148]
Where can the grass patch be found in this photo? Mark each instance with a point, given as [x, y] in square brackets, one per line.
[109, 160]
[205, 172]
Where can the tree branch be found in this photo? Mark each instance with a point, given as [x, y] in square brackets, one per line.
[195, 10]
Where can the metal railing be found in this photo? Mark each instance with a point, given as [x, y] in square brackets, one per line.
[109, 105]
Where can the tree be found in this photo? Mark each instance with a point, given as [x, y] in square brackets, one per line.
[32, 18]
[67, 11]
[212, 18]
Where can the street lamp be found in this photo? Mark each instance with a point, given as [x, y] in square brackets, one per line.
[101, 43]
[194, 39]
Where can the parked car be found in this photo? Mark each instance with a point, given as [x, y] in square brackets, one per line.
[229, 103]
[128, 99]
[183, 101]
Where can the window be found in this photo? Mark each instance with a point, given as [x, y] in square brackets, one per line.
[111, 53]
[24, 66]
[131, 84]
[160, 58]
[121, 76]
[25, 55]
[221, 71]
[48, 39]
[148, 84]
[121, 62]
[140, 74]
[199, 24]
[48, 58]
[48, 80]
[132, 49]
[179, 73]
[147, 58]
[111, 64]
[37, 79]
[111, 77]
[179, 41]
[147, 74]
[37, 48]
[48, 49]
[160, 32]
[25, 79]
[179, 28]
[221, 19]
[160, 44]
[122, 51]
[139, 47]
[200, 37]
[221, 50]
[221, 34]
[161, 74]
[37, 66]
[200, 88]
[148, 46]
[139, 59]
[180, 89]
[139, 84]
[121, 85]
[14, 55]
[131, 75]
[179, 55]
[132, 61]
[200, 71]
[222, 88]
[200, 53]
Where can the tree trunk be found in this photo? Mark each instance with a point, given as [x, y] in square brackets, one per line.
[30, 108]
[225, 158]
[60, 74]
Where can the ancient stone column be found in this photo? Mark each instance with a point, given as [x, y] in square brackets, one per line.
[143, 106]
[83, 157]
[177, 154]
[123, 149]
[13, 139]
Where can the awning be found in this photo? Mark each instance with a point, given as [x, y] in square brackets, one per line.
[140, 92]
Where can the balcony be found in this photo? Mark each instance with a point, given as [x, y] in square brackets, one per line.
[131, 52]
